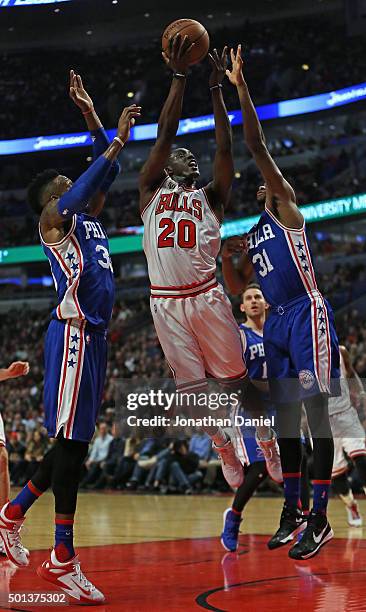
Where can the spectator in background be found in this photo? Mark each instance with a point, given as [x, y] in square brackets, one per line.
[183, 470]
[36, 448]
[16, 451]
[98, 453]
[115, 454]
[145, 459]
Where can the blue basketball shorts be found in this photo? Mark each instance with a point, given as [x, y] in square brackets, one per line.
[75, 369]
[302, 349]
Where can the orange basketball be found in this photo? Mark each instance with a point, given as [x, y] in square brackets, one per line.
[196, 33]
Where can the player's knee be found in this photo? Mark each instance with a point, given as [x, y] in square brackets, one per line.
[4, 461]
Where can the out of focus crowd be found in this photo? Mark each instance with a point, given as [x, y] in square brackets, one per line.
[277, 68]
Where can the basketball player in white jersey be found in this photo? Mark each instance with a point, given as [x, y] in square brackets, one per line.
[16, 369]
[192, 315]
[349, 437]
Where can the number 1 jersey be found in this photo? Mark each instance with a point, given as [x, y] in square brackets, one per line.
[82, 272]
[181, 237]
[281, 259]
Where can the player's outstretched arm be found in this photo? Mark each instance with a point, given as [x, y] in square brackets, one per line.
[101, 142]
[16, 369]
[58, 210]
[237, 277]
[219, 190]
[276, 184]
[153, 170]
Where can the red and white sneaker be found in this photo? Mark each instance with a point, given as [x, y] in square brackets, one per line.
[353, 515]
[271, 454]
[10, 535]
[69, 577]
[231, 466]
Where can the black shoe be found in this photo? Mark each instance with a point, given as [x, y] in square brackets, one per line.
[292, 522]
[317, 533]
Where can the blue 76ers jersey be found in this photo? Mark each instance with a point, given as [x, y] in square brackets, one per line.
[82, 272]
[282, 260]
[254, 353]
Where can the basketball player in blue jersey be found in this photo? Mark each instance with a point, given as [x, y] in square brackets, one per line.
[300, 341]
[251, 454]
[75, 347]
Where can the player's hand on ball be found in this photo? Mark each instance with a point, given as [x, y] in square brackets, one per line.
[178, 58]
[233, 245]
[17, 368]
[127, 121]
[78, 94]
[235, 75]
[219, 66]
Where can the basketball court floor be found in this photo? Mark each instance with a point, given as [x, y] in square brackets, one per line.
[163, 554]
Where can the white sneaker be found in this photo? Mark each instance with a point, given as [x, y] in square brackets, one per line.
[231, 466]
[3, 551]
[353, 515]
[10, 535]
[271, 454]
[69, 577]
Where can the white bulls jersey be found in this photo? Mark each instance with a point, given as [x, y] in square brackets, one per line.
[181, 238]
[191, 313]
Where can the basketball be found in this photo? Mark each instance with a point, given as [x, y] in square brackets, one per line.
[196, 33]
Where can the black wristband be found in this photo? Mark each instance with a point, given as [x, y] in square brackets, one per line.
[179, 75]
[218, 86]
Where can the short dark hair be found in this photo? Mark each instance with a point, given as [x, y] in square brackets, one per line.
[252, 286]
[37, 187]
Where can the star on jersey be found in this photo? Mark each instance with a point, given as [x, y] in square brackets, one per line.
[302, 255]
[75, 338]
[71, 363]
[70, 256]
[321, 319]
[73, 350]
[75, 266]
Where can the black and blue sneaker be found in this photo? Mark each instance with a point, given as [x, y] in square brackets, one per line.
[230, 534]
[292, 522]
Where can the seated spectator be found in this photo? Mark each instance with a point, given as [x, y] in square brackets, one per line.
[17, 464]
[115, 454]
[183, 468]
[126, 464]
[36, 448]
[98, 454]
[145, 459]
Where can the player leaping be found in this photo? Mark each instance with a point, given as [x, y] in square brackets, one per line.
[76, 245]
[191, 313]
[300, 342]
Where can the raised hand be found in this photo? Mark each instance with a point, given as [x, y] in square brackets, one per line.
[78, 94]
[235, 75]
[17, 368]
[219, 66]
[178, 58]
[127, 121]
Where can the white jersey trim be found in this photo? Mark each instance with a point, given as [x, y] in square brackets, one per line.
[291, 229]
